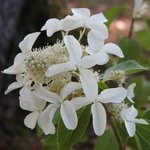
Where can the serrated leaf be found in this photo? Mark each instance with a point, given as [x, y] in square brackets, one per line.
[129, 67]
[67, 138]
[106, 141]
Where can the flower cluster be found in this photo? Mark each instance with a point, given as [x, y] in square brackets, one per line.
[45, 76]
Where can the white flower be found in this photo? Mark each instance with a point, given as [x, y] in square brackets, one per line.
[75, 61]
[19, 61]
[99, 51]
[130, 92]
[34, 104]
[67, 109]
[53, 25]
[94, 22]
[112, 95]
[140, 8]
[129, 116]
[80, 18]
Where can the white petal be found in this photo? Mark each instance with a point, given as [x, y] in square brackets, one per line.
[87, 62]
[84, 12]
[69, 88]
[95, 42]
[28, 101]
[70, 23]
[99, 118]
[74, 49]
[45, 119]
[13, 86]
[140, 121]
[111, 48]
[68, 115]
[18, 66]
[130, 92]
[100, 28]
[89, 84]
[59, 68]
[80, 102]
[130, 126]
[131, 113]
[27, 43]
[52, 25]
[9, 70]
[31, 119]
[113, 95]
[46, 95]
[97, 18]
[101, 58]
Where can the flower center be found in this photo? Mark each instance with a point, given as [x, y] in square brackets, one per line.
[38, 61]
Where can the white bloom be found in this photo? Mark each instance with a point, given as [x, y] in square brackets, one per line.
[94, 22]
[99, 51]
[112, 95]
[67, 109]
[80, 18]
[130, 92]
[19, 61]
[34, 104]
[129, 116]
[53, 25]
[140, 8]
[76, 62]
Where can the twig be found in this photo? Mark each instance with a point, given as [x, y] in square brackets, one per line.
[131, 28]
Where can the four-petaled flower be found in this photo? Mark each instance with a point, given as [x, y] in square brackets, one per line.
[129, 116]
[67, 109]
[112, 95]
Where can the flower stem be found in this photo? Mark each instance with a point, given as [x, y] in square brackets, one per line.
[137, 142]
[116, 132]
[131, 28]
[82, 33]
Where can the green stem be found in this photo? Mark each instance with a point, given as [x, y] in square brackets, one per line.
[116, 132]
[115, 129]
[81, 35]
[137, 142]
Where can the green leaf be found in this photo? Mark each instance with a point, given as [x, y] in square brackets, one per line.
[131, 49]
[50, 142]
[102, 85]
[67, 138]
[129, 67]
[142, 91]
[106, 141]
[143, 132]
[143, 37]
[113, 13]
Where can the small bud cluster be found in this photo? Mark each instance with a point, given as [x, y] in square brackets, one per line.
[119, 76]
